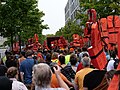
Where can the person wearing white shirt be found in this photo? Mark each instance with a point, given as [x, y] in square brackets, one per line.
[110, 65]
[12, 73]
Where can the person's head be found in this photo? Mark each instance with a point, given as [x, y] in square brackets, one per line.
[79, 50]
[85, 55]
[113, 54]
[12, 72]
[62, 59]
[22, 54]
[29, 53]
[71, 50]
[75, 51]
[73, 59]
[84, 49]
[61, 51]
[86, 61]
[48, 57]
[9, 57]
[55, 55]
[42, 75]
[45, 50]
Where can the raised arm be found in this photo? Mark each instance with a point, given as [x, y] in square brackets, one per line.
[60, 81]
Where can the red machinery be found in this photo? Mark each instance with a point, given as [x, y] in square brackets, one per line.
[56, 43]
[33, 43]
[103, 33]
[93, 33]
[77, 41]
[110, 28]
[45, 46]
[62, 43]
[110, 33]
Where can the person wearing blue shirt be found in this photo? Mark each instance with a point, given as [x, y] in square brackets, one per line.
[26, 69]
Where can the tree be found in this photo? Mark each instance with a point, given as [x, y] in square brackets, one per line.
[103, 8]
[21, 17]
[68, 30]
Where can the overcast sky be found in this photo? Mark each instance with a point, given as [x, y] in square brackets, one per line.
[54, 14]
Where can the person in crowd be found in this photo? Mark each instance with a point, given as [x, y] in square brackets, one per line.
[79, 77]
[26, 69]
[45, 51]
[5, 83]
[42, 77]
[11, 61]
[3, 60]
[21, 58]
[34, 56]
[12, 74]
[61, 52]
[55, 57]
[78, 52]
[100, 80]
[95, 77]
[3, 69]
[73, 61]
[62, 61]
[54, 82]
[80, 66]
[107, 54]
[48, 58]
[69, 71]
[40, 57]
[114, 61]
[67, 57]
[84, 50]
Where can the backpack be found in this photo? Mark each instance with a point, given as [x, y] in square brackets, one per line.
[68, 72]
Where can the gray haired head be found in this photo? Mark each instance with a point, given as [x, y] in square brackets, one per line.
[42, 75]
[86, 61]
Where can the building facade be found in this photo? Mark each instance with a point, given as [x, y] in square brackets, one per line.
[71, 9]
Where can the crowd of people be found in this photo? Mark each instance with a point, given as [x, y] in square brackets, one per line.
[69, 69]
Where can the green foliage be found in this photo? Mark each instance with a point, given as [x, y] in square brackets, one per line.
[21, 17]
[103, 8]
[68, 30]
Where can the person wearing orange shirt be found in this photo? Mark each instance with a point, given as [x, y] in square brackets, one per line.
[55, 84]
[79, 77]
[54, 81]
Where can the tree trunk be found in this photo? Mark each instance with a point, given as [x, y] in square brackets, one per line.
[20, 42]
[12, 42]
